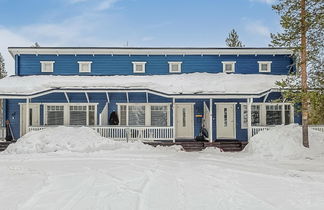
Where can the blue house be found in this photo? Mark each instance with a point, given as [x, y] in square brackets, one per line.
[150, 94]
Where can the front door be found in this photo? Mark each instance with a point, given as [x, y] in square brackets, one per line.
[184, 120]
[33, 120]
[225, 126]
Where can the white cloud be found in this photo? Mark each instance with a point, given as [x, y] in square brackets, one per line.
[105, 4]
[11, 39]
[257, 27]
[265, 1]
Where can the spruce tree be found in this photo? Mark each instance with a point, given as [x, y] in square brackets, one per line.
[303, 31]
[233, 40]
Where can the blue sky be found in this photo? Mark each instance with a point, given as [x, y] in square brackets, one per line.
[136, 22]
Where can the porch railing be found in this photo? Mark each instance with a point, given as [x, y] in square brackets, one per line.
[257, 129]
[130, 133]
[2, 133]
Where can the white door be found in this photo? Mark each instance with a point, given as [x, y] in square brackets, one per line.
[225, 126]
[184, 120]
[34, 113]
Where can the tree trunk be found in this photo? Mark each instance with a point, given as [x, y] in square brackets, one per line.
[304, 74]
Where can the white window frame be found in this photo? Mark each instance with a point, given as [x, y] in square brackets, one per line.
[147, 111]
[263, 113]
[138, 63]
[66, 110]
[268, 63]
[228, 62]
[175, 63]
[43, 63]
[83, 63]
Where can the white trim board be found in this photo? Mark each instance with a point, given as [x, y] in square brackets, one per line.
[148, 51]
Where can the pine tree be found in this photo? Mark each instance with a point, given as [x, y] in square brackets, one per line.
[303, 31]
[233, 40]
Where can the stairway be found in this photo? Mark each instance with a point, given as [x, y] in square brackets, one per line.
[4, 145]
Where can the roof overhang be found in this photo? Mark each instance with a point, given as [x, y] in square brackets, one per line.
[146, 51]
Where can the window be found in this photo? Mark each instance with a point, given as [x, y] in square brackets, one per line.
[139, 67]
[175, 67]
[84, 66]
[55, 115]
[287, 115]
[264, 66]
[144, 114]
[225, 117]
[78, 115]
[47, 66]
[136, 115]
[255, 115]
[70, 114]
[273, 114]
[228, 66]
[159, 115]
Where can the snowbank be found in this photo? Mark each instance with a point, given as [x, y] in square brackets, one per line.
[286, 142]
[193, 83]
[72, 139]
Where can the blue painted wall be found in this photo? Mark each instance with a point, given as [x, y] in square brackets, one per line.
[156, 64]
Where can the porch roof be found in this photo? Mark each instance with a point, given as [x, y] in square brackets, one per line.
[177, 84]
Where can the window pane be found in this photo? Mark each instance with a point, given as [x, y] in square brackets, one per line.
[184, 117]
[122, 115]
[175, 67]
[136, 115]
[287, 114]
[228, 67]
[139, 68]
[273, 115]
[225, 117]
[92, 115]
[159, 115]
[264, 67]
[78, 115]
[55, 115]
[255, 115]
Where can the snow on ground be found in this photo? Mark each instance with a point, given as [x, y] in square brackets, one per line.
[193, 83]
[73, 139]
[286, 142]
[133, 177]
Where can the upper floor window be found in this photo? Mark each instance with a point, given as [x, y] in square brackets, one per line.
[228, 66]
[175, 67]
[47, 66]
[264, 66]
[139, 67]
[84, 66]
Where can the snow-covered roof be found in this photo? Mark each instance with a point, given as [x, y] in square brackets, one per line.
[193, 83]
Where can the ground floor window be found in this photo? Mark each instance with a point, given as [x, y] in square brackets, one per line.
[55, 115]
[144, 114]
[70, 114]
[263, 114]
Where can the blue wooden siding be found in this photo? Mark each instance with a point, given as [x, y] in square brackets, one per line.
[156, 64]
[13, 109]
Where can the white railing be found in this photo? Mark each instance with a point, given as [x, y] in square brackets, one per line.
[2, 133]
[130, 133]
[317, 127]
[257, 129]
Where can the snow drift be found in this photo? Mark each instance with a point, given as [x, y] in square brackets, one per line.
[285, 141]
[72, 139]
